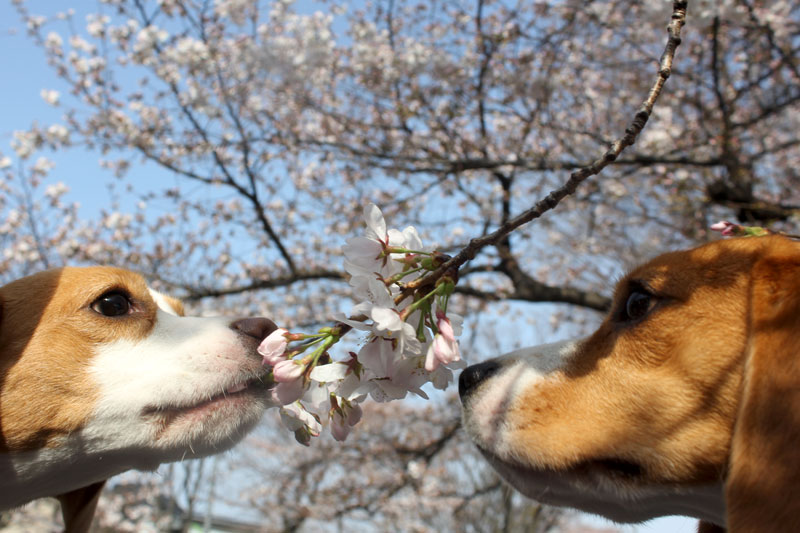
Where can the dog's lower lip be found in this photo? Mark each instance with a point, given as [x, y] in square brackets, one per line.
[253, 385]
[239, 387]
[611, 466]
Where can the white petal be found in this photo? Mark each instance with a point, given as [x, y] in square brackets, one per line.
[361, 249]
[341, 317]
[354, 390]
[379, 294]
[396, 238]
[374, 358]
[390, 390]
[386, 319]
[376, 226]
[318, 396]
[290, 418]
[411, 238]
[330, 372]
[357, 270]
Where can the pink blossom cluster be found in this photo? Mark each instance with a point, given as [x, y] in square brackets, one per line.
[730, 229]
[410, 339]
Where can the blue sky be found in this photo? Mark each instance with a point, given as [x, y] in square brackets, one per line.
[20, 103]
[26, 74]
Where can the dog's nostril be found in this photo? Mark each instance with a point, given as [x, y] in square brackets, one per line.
[256, 327]
[472, 375]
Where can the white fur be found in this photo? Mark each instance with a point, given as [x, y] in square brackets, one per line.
[162, 302]
[521, 370]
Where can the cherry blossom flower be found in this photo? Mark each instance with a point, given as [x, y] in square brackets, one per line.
[729, 229]
[303, 423]
[343, 419]
[273, 348]
[400, 354]
[50, 96]
[725, 227]
[287, 370]
[444, 348]
[288, 392]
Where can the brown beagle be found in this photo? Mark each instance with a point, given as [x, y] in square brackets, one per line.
[686, 400]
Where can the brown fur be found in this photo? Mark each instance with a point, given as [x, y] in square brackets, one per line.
[47, 318]
[650, 392]
[764, 479]
[47, 334]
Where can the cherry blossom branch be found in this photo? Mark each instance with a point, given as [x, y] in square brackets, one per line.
[579, 176]
[411, 339]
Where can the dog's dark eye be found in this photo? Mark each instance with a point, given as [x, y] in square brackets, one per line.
[638, 305]
[112, 304]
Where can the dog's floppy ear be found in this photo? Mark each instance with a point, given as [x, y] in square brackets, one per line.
[761, 488]
[78, 506]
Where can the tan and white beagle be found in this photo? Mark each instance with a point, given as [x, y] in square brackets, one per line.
[686, 400]
[100, 374]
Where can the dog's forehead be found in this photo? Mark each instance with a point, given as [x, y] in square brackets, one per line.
[68, 288]
[88, 283]
[717, 264]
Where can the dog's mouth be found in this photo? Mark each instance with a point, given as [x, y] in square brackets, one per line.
[612, 467]
[240, 391]
[590, 474]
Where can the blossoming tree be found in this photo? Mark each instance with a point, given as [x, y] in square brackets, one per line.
[266, 128]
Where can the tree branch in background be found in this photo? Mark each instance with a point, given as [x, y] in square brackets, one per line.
[576, 178]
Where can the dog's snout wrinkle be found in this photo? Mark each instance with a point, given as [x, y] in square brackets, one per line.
[472, 375]
[256, 327]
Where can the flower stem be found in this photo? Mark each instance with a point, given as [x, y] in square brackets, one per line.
[401, 275]
[422, 301]
[329, 340]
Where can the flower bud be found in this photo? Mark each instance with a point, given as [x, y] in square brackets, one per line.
[339, 427]
[303, 436]
[354, 414]
[444, 327]
[273, 348]
[288, 370]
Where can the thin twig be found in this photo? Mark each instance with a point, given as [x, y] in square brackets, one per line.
[579, 176]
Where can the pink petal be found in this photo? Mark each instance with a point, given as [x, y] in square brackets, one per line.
[273, 347]
[287, 370]
[354, 414]
[445, 328]
[431, 362]
[339, 429]
[445, 351]
[720, 226]
[288, 393]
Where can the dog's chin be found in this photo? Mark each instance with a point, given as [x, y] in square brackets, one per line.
[604, 487]
[210, 426]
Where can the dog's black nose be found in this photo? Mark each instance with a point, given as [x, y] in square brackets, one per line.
[256, 327]
[472, 375]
